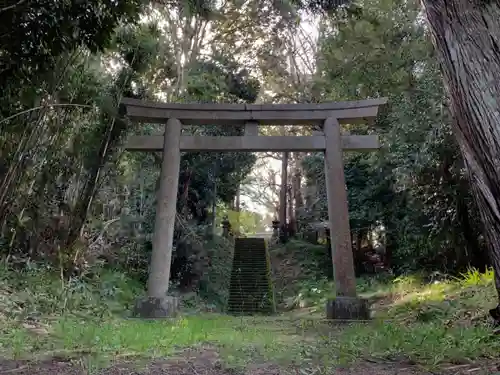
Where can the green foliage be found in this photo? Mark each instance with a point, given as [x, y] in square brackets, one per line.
[313, 258]
[249, 222]
[201, 171]
[61, 160]
[414, 190]
[33, 34]
[475, 278]
[217, 80]
[314, 293]
[138, 45]
[319, 6]
[222, 80]
[214, 288]
[300, 273]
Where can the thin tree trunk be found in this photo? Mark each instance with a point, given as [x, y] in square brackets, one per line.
[283, 195]
[291, 211]
[237, 208]
[297, 189]
[467, 39]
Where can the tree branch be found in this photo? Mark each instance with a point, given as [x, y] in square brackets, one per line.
[12, 6]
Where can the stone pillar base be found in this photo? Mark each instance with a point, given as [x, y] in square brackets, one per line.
[348, 308]
[156, 308]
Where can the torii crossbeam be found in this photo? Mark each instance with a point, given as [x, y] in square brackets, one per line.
[330, 116]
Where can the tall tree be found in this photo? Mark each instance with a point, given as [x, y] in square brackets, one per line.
[466, 35]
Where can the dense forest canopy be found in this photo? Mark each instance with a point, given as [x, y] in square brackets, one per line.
[70, 195]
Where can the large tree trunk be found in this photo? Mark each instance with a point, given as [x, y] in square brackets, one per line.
[467, 40]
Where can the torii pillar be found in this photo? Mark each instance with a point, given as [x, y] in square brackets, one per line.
[346, 305]
[157, 304]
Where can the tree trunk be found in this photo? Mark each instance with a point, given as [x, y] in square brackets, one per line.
[476, 254]
[297, 189]
[466, 35]
[283, 195]
[291, 211]
[237, 208]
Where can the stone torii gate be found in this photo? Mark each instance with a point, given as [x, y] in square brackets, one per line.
[329, 116]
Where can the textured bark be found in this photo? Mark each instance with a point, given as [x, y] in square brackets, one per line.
[466, 35]
[476, 255]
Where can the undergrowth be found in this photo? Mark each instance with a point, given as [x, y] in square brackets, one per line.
[37, 292]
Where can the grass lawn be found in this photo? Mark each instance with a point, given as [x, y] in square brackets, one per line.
[435, 325]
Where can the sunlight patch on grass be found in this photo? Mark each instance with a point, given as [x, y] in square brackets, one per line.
[459, 301]
[429, 343]
[475, 278]
[407, 303]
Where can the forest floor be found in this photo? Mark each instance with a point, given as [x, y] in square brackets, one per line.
[418, 328]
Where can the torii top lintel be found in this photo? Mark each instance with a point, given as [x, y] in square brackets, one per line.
[265, 114]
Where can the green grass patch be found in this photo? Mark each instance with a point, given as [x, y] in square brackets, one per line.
[426, 322]
[425, 343]
[239, 340]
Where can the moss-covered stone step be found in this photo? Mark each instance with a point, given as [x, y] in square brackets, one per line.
[251, 289]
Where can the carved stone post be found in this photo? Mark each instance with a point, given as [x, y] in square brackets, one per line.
[158, 304]
[346, 305]
[226, 227]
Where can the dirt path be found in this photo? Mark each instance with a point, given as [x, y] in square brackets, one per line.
[171, 368]
[206, 362]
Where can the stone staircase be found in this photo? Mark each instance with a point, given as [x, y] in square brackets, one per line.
[251, 290]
